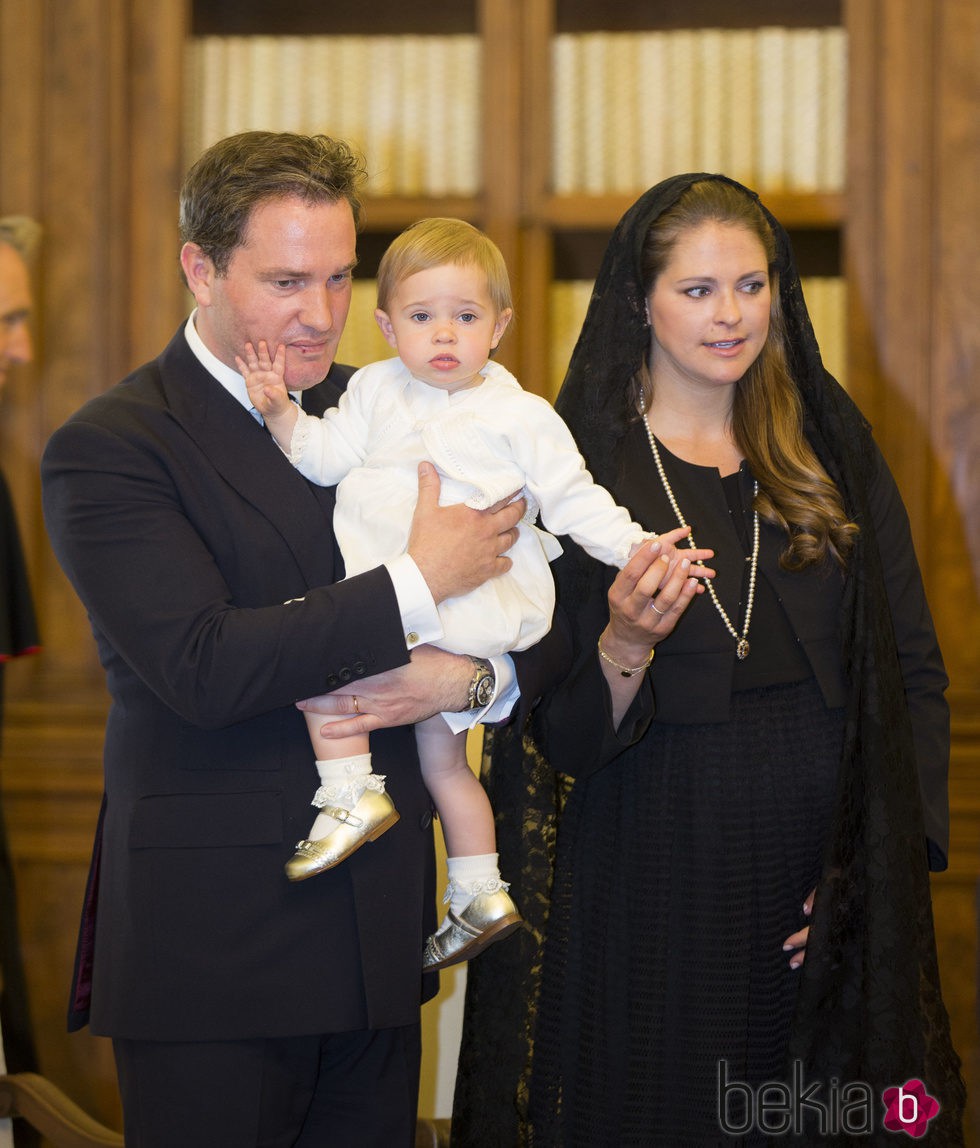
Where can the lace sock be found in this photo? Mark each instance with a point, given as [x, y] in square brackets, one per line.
[341, 783]
[469, 876]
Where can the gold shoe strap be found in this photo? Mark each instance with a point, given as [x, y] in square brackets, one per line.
[344, 816]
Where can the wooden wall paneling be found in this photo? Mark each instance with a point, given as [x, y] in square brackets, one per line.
[954, 904]
[82, 164]
[108, 291]
[534, 309]
[89, 123]
[954, 343]
[339, 17]
[955, 511]
[20, 178]
[911, 251]
[900, 145]
[51, 792]
[860, 248]
[20, 100]
[158, 297]
[56, 134]
[793, 209]
[956, 896]
[906, 46]
[536, 266]
[910, 248]
[499, 23]
[628, 15]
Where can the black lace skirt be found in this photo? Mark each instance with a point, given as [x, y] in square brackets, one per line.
[681, 870]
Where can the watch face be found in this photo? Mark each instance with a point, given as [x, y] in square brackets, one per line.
[484, 691]
[482, 686]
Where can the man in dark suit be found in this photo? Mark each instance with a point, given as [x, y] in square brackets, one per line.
[246, 1009]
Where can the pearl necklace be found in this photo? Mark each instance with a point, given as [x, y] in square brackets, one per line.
[741, 640]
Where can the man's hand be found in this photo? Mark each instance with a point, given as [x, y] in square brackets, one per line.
[455, 547]
[434, 681]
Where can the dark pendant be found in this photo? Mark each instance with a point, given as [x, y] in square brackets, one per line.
[742, 650]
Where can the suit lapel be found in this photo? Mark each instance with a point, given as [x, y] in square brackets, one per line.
[246, 456]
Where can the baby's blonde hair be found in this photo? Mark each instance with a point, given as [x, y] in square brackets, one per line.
[438, 241]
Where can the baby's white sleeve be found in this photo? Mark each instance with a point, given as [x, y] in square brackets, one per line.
[325, 449]
[571, 501]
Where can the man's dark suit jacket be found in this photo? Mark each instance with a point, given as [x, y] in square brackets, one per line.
[184, 529]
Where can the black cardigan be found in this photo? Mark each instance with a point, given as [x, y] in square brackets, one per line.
[695, 669]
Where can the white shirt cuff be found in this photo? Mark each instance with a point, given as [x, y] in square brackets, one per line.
[420, 618]
[505, 697]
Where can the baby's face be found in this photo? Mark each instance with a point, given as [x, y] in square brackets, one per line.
[443, 325]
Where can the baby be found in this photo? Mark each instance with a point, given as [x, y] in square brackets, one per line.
[444, 303]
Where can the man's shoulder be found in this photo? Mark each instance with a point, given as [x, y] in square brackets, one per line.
[143, 397]
[327, 394]
[339, 374]
[141, 388]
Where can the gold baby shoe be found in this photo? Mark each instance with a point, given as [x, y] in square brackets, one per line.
[374, 814]
[487, 918]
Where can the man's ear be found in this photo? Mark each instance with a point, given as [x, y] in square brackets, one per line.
[199, 272]
[381, 318]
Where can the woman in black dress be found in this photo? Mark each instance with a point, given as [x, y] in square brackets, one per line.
[735, 926]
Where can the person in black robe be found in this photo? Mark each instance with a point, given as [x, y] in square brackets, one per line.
[18, 635]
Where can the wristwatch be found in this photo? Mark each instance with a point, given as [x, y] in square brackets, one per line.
[483, 684]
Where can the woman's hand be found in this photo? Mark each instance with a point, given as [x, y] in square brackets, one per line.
[652, 591]
[646, 600]
[796, 942]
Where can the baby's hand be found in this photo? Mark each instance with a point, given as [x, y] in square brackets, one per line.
[265, 378]
[643, 541]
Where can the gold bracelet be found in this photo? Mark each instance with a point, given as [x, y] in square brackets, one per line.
[625, 671]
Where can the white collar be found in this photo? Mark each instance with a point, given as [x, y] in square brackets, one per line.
[227, 376]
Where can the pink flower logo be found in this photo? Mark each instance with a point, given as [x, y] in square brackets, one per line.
[909, 1108]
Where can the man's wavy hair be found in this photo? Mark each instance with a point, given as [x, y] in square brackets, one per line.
[238, 173]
